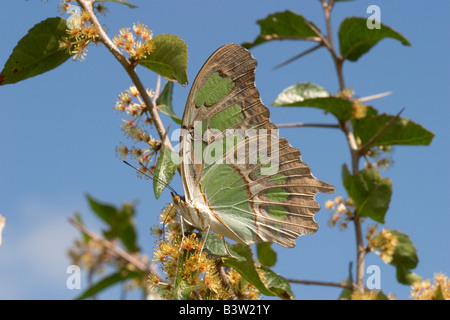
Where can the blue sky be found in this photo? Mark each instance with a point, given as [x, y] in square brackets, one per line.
[59, 133]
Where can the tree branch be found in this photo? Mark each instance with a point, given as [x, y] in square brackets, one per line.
[321, 283]
[86, 5]
[360, 248]
[116, 251]
[300, 124]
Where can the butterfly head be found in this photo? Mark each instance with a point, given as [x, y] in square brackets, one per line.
[177, 199]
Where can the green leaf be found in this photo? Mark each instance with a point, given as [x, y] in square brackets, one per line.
[283, 25]
[370, 193]
[247, 268]
[108, 282]
[125, 2]
[266, 255]
[179, 289]
[405, 258]
[37, 52]
[299, 92]
[121, 222]
[439, 293]
[381, 296]
[164, 102]
[165, 169]
[405, 254]
[341, 108]
[346, 294]
[407, 277]
[168, 58]
[277, 284]
[182, 289]
[355, 38]
[216, 247]
[345, 171]
[401, 132]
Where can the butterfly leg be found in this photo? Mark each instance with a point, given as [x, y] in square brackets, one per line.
[226, 247]
[169, 214]
[182, 239]
[206, 237]
[182, 228]
[204, 242]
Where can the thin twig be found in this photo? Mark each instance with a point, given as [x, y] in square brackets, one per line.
[197, 294]
[277, 37]
[327, 7]
[317, 125]
[375, 96]
[157, 88]
[304, 53]
[130, 69]
[225, 282]
[367, 145]
[321, 283]
[116, 251]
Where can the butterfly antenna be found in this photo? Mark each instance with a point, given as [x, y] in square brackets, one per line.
[146, 173]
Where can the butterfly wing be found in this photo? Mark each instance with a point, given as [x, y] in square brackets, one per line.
[233, 162]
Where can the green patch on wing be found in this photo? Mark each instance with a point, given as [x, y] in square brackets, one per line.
[227, 195]
[277, 212]
[277, 194]
[279, 178]
[226, 118]
[213, 90]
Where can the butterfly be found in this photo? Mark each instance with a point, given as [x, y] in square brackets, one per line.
[241, 180]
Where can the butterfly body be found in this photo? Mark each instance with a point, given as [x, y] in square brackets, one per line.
[200, 216]
[241, 180]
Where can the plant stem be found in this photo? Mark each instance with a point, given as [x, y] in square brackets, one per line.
[86, 5]
[338, 61]
[360, 248]
[354, 150]
[116, 251]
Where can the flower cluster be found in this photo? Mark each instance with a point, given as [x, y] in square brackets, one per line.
[424, 290]
[130, 103]
[95, 257]
[91, 255]
[383, 243]
[343, 211]
[379, 157]
[359, 109]
[137, 45]
[370, 295]
[186, 264]
[80, 32]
